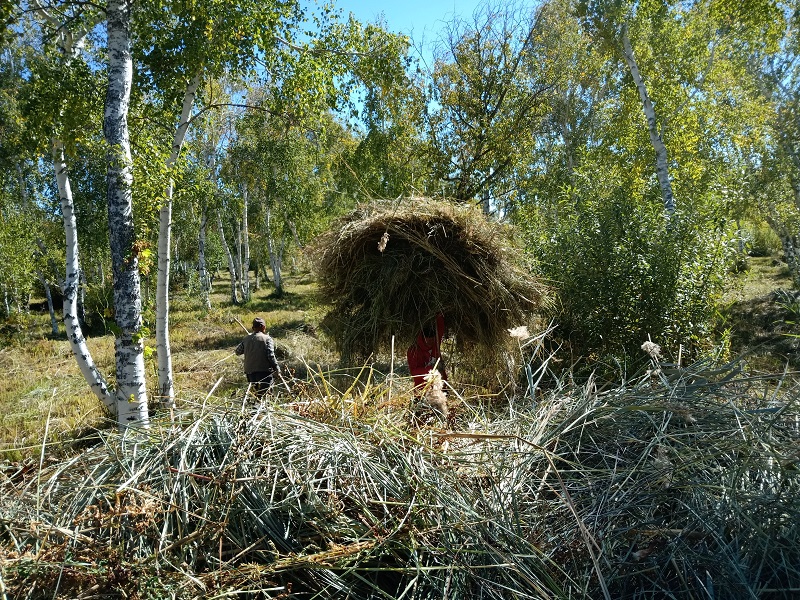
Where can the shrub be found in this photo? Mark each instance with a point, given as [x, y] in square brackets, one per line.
[624, 274]
[762, 240]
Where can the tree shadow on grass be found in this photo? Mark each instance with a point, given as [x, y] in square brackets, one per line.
[218, 342]
[295, 325]
[766, 329]
[285, 301]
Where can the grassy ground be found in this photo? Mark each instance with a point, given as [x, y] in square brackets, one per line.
[762, 316]
[43, 388]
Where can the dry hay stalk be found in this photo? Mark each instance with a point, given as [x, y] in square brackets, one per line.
[434, 257]
[673, 485]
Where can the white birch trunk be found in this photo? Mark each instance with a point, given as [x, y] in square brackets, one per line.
[70, 44]
[238, 245]
[275, 254]
[295, 237]
[245, 237]
[662, 164]
[231, 265]
[205, 280]
[166, 386]
[166, 390]
[69, 290]
[132, 407]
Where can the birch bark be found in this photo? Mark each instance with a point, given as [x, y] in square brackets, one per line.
[70, 286]
[132, 407]
[237, 238]
[662, 164]
[166, 386]
[69, 43]
[275, 254]
[229, 256]
[245, 248]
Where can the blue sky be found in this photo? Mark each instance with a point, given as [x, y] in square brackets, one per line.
[420, 19]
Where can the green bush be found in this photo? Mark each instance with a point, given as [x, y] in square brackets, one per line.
[624, 273]
[762, 240]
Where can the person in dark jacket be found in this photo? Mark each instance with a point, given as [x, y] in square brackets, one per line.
[260, 364]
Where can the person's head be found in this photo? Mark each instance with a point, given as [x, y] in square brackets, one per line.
[258, 324]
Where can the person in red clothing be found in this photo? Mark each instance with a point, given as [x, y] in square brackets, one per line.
[425, 354]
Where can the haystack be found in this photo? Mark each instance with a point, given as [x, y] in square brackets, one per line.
[387, 269]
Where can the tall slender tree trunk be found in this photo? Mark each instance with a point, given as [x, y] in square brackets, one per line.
[205, 280]
[237, 234]
[662, 163]
[275, 253]
[69, 43]
[77, 341]
[245, 246]
[229, 256]
[132, 407]
[293, 229]
[166, 386]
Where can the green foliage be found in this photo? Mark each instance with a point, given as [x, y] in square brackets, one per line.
[62, 98]
[17, 273]
[760, 239]
[488, 94]
[180, 39]
[8, 18]
[624, 274]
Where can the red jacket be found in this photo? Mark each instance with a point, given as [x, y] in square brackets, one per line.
[425, 353]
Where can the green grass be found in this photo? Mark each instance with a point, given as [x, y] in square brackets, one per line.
[41, 376]
[763, 275]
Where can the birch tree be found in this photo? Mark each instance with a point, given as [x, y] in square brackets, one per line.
[185, 45]
[773, 60]
[69, 33]
[490, 99]
[676, 55]
[131, 387]
[128, 402]
[610, 23]
[624, 270]
[202, 265]
[662, 160]
[163, 349]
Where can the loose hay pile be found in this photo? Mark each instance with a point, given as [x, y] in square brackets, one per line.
[682, 484]
[388, 269]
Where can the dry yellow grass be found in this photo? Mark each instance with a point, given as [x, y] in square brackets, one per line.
[43, 389]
